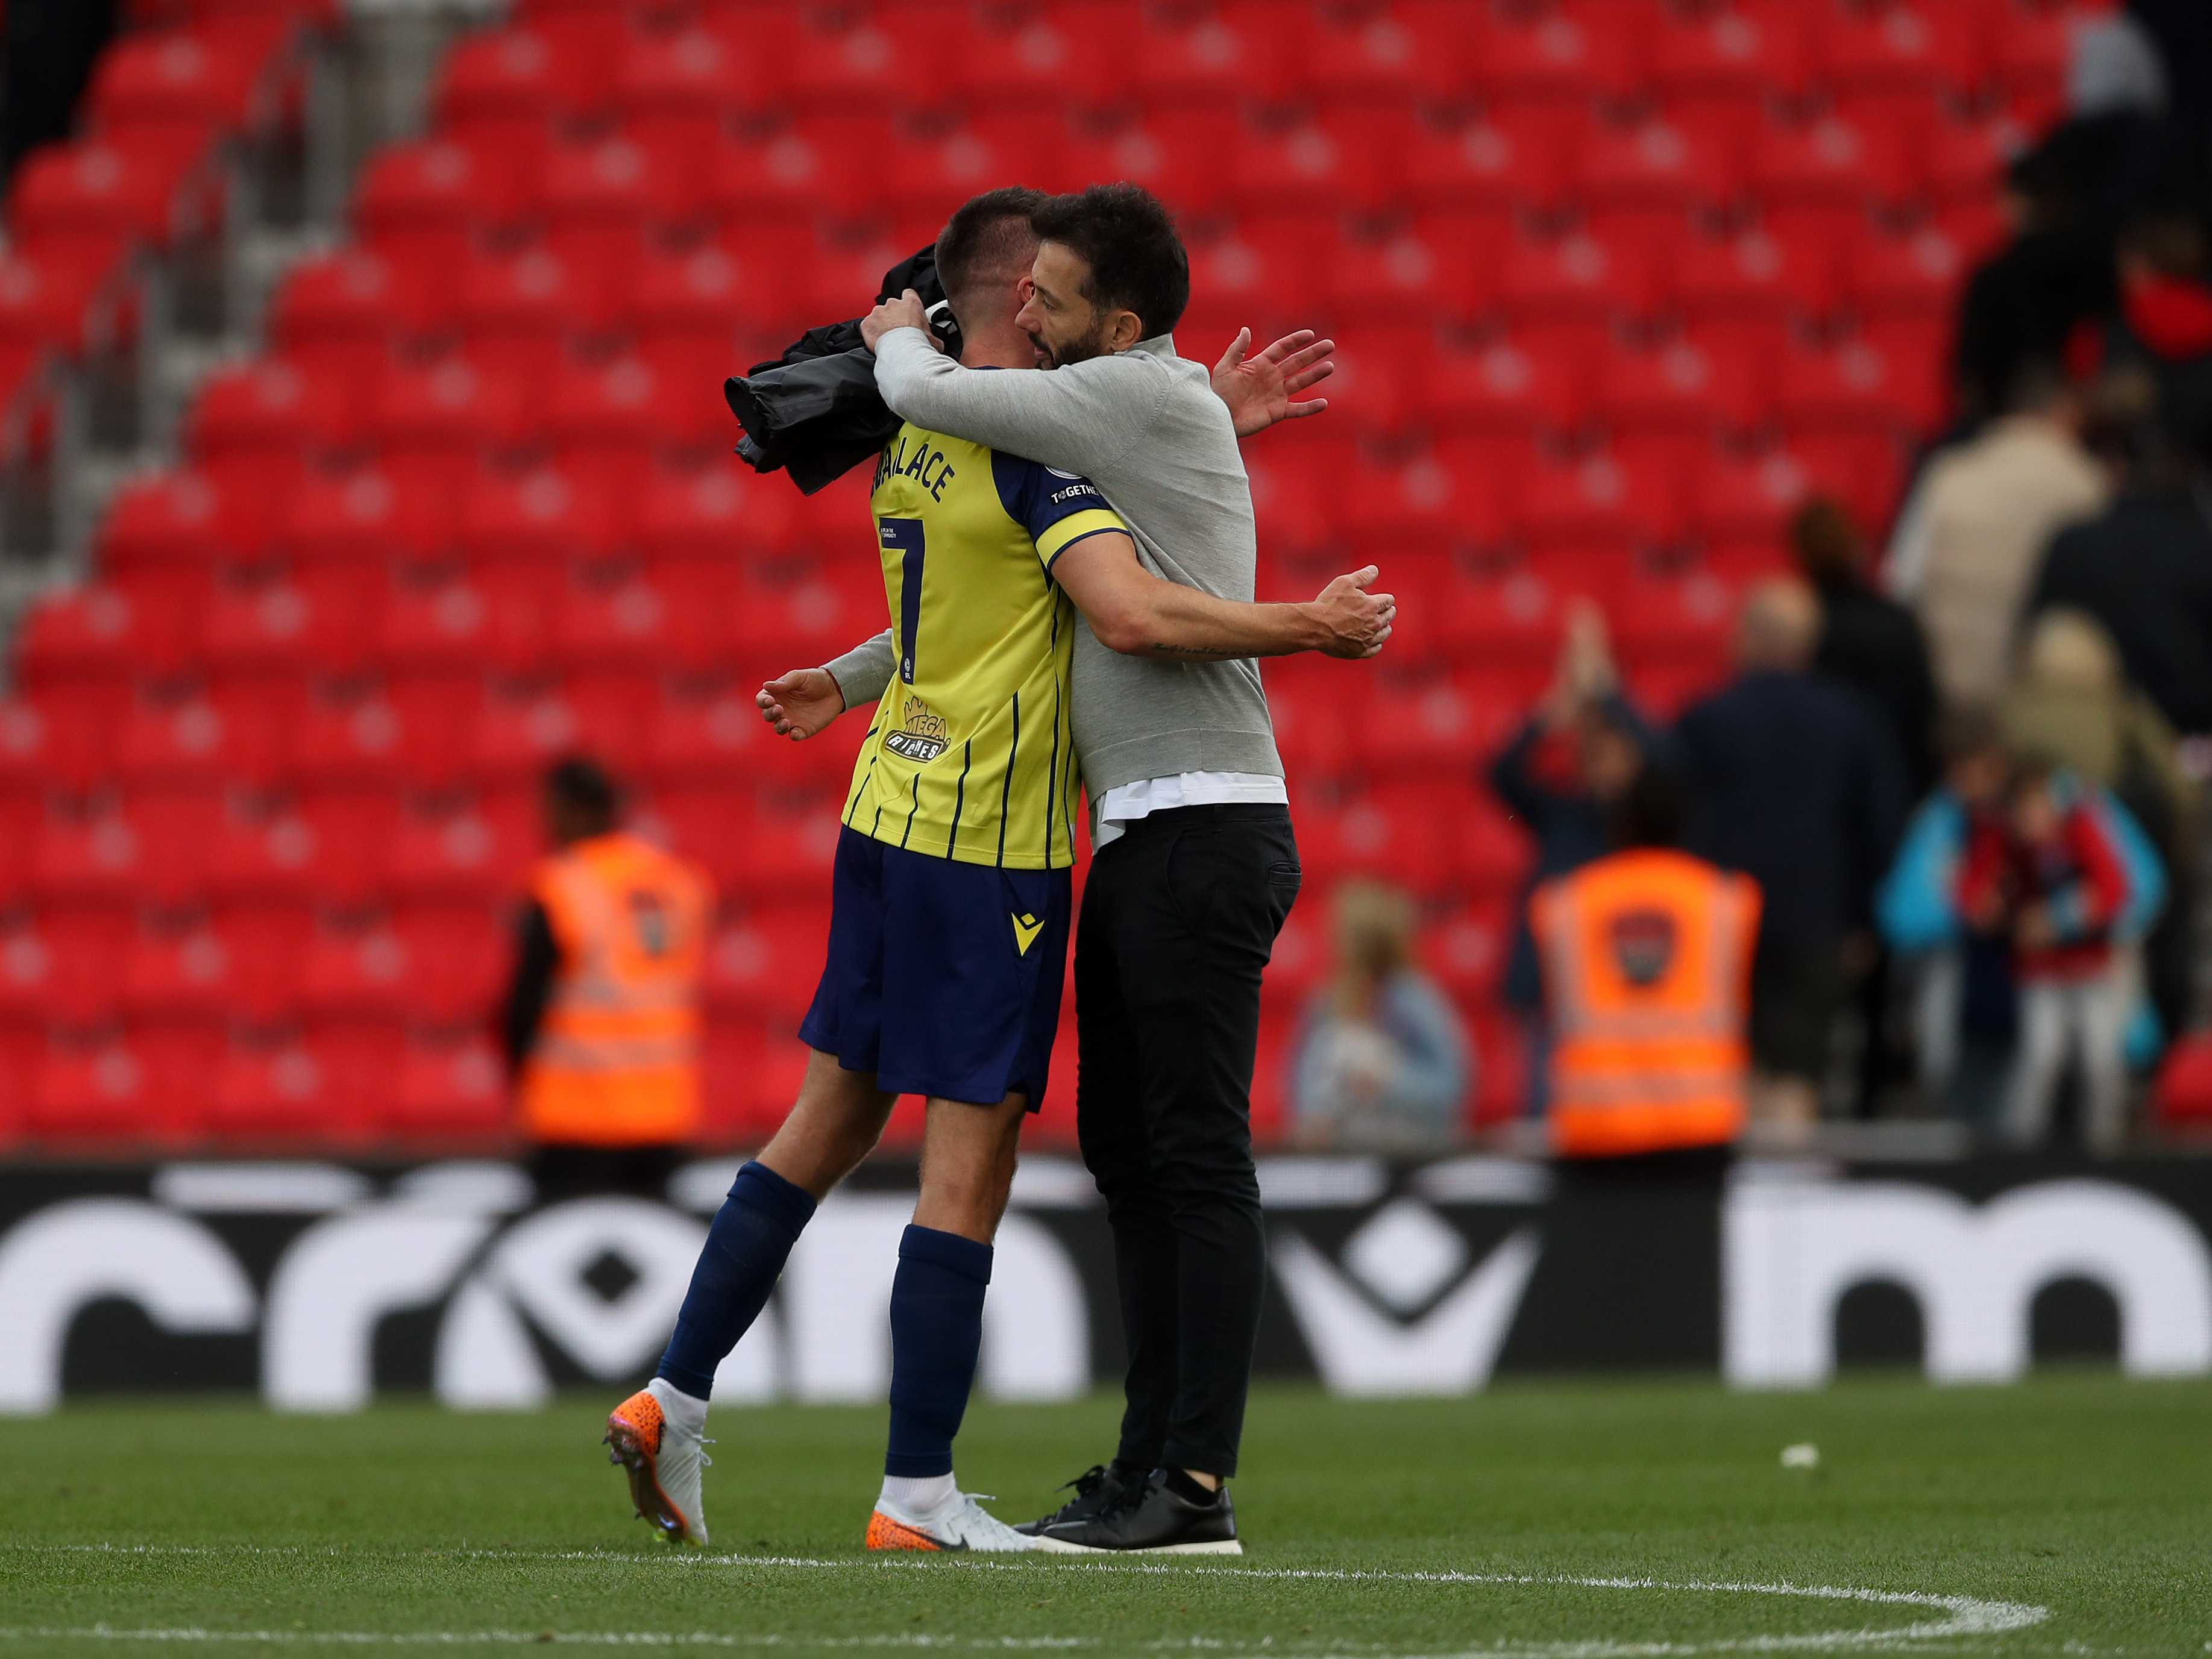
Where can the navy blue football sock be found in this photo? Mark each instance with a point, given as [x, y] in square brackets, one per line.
[753, 1233]
[936, 1327]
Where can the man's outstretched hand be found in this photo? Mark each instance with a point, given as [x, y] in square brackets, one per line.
[1356, 621]
[801, 703]
[905, 312]
[1263, 390]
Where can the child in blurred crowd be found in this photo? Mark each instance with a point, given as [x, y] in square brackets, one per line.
[2045, 869]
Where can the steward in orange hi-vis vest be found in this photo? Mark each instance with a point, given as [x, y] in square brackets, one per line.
[1647, 967]
[616, 1059]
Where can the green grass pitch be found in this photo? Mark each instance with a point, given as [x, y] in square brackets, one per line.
[2070, 1516]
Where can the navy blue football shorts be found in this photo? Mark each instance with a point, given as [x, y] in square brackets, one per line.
[944, 978]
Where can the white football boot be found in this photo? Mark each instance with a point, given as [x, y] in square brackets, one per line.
[663, 1461]
[959, 1525]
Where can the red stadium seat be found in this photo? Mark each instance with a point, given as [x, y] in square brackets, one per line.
[1025, 65]
[57, 735]
[1738, 51]
[213, 965]
[533, 73]
[323, 618]
[1555, 54]
[768, 182]
[715, 289]
[197, 80]
[351, 305]
[766, 961]
[1378, 55]
[1858, 383]
[458, 848]
[599, 199]
[58, 966]
[1512, 157]
[1656, 162]
[321, 1085]
[545, 513]
[101, 848]
[429, 200]
[227, 732]
[183, 518]
[369, 515]
[1175, 151]
[52, 292]
[1347, 161]
[1753, 274]
[1598, 500]
[610, 418]
[135, 626]
[139, 184]
[517, 311]
[1683, 386]
[681, 83]
[853, 59]
[451, 1086]
[1575, 275]
[1507, 386]
[1967, 159]
[1832, 161]
[1917, 275]
[148, 1088]
[438, 962]
[1902, 47]
[271, 405]
[446, 411]
[1209, 59]
[1749, 498]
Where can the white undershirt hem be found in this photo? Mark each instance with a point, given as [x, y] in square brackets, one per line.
[1147, 796]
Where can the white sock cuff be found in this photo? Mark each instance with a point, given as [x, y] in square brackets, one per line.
[686, 1410]
[920, 1494]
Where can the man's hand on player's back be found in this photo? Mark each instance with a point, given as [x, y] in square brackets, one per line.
[801, 703]
[1263, 390]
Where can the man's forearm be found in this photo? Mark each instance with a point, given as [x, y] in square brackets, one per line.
[1055, 418]
[1174, 624]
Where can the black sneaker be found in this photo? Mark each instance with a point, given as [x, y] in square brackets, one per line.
[1153, 1519]
[1095, 1489]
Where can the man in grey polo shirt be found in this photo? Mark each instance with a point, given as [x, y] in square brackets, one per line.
[1196, 864]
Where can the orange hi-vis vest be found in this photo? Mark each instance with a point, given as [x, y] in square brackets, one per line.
[1647, 972]
[617, 1061]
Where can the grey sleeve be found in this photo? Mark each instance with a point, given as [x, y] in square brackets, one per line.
[863, 673]
[1079, 419]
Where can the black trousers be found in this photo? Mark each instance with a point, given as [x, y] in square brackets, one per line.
[1179, 919]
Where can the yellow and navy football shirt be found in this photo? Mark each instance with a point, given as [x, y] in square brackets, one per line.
[970, 757]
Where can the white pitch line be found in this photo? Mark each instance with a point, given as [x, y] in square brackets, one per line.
[1966, 1615]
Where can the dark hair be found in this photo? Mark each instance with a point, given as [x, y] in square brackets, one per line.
[1825, 540]
[1128, 240]
[1649, 811]
[1968, 728]
[986, 235]
[580, 785]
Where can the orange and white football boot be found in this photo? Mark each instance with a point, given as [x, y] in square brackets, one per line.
[663, 1461]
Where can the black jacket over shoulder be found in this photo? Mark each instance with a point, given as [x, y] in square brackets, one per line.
[814, 412]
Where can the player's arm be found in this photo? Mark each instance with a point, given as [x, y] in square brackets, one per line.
[802, 702]
[1141, 615]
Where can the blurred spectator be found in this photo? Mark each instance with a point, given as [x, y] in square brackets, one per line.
[2044, 872]
[1559, 777]
[1794, 784]
[1869, 641]
[2142, 567]
[1967, 545]
[1647, 955]
[2164, 324]
[601, 1024]
[2072, 703]
[1383, 1064]
[1966, 1015]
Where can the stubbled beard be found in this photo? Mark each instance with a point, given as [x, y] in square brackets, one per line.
[1076, 351]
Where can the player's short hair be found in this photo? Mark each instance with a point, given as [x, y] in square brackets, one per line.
[1128, 238]
[987, 237]
[580, 787]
